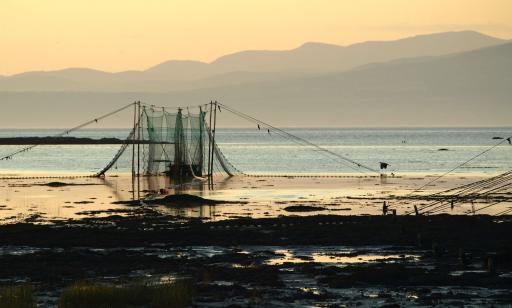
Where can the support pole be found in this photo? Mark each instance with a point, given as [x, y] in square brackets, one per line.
[133, 148]
[179, 151]
[213, 140]
[210, 144]
[201, 140]
[138, 150]
[210, 139]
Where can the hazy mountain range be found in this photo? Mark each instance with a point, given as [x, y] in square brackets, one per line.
[443, 79]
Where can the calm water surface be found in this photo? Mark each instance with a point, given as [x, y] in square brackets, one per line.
[255, 151]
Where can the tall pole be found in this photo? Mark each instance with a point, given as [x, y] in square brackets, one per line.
[133, 147]
[201, 141]
[138, 151]
[210, 142]
[213, 138]
[178, 161]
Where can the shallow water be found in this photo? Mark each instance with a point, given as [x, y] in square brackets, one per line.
[302, 286]
[413, 154]
[254, 151]
[340, 256]
[22, 199]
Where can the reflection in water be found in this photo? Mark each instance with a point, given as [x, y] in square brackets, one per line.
[113, 185]
[264, 197]
[339, 257]
[154, 187]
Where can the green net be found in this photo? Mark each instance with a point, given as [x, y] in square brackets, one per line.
[174, 143]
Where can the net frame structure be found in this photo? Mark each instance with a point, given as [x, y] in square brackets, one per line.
[175, 144]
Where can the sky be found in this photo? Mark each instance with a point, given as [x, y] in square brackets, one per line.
[118, 35]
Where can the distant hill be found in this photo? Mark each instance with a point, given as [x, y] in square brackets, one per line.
[471, 88]
[249, 66]
[324, 57]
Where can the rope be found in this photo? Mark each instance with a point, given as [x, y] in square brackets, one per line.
[288, 136]
[472, 184]
[487, 206]
[468, 192]
[119, 153]
[298, 140]
[291, 137]
[474, 197]
[460, 165]
[507, 211]
[66, 132]
[222, 159]
[46, 177]
[468, 186]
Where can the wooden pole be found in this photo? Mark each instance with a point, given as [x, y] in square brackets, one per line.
[133, 148]
[213, 139]
[201, 144]
[210, 139]
[138, 151]
[178, 163]
[210, 144]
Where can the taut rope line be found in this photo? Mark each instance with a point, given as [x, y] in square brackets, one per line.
[66, 132]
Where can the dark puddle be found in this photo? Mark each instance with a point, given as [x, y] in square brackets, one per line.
[287, 261]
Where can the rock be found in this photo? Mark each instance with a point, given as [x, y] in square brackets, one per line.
[304, 208]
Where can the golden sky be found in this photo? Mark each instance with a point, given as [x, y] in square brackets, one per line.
[116, 35]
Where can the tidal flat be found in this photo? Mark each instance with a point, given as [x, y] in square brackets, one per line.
[250, 251]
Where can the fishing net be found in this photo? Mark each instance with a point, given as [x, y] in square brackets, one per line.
[174, 144]
[177, 144]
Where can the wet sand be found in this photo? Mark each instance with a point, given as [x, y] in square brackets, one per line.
[350, 194]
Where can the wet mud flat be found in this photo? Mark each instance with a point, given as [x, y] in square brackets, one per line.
[47, 200]
[322, 260]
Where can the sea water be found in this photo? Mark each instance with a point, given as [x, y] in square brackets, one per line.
[406, 150]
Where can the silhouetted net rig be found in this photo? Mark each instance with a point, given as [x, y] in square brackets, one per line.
[182, 146]
[179, 144]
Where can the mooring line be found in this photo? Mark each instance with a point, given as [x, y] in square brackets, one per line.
[66, 132]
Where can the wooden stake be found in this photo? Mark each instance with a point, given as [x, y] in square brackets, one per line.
[213, 139]
[210, 141]
[133, 148]
[201, 141]
[138, 151]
